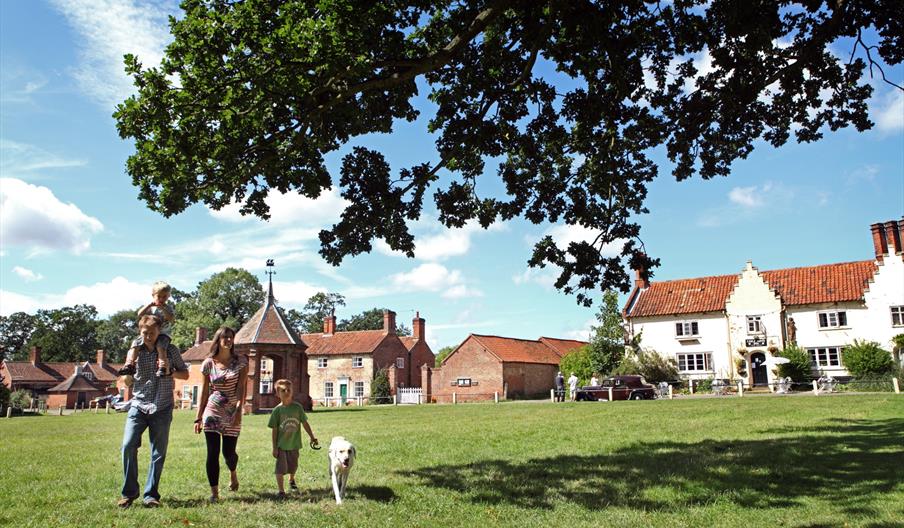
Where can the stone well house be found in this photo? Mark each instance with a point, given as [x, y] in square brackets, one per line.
[342, 365]
[730, 326]
[483, 365]
[63, 384]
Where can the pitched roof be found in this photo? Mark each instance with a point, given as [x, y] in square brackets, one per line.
[408, 341]
[509, 349]
[562, 346]
[840, 282]
[197, 352]
[268, 325]
[74, 382]
[55, 372]
[356, 342]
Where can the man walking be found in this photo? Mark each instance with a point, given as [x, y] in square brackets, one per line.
[560, 387]
[152, 409]
[572, 385]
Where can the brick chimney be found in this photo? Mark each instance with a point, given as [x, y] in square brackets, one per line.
[329, 324]
[893, 237]
[101, 358]
[880, 242]
[200, 335]
[388, 322]
[35, 355]
[417, 326]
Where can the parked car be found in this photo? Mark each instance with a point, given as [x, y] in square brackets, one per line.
[623, 388]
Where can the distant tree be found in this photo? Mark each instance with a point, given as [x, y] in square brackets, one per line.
[578, 361]
[4, 394]
[319, 306]
[66, 334]
[369, 320]
[379, 388]
[607, 340]
[115, 333]
[443, 354]
[15, 331]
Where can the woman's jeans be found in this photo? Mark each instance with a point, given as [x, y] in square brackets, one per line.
[158, 425]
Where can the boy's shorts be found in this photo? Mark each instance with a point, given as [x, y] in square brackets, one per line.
[286, 461]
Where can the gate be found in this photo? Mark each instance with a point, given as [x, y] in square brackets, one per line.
[410, 395]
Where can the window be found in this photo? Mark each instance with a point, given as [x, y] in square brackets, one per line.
[754, 324]
[694, 362]
[186, 392]
[359, 389]
[321, 362]
[897, 315]
[687, 329]
[357, 362]
[825, 357]
[464, 382]
[832, 319]
[400, 362]
[327, 389]
[267, 385]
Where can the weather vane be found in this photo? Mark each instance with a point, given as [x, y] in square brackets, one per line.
[270, 270]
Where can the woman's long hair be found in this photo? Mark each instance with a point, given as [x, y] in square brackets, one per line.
[215, 345]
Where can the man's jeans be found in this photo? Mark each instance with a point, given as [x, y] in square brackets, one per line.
[158, 425]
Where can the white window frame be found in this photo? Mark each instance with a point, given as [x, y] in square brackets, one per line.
[685, 329]
[328, 389]
[266, 385]
[322, 363]
[897, 315]
[463, 382]
[359, 389]
[822, 357]
[357, 362]
[186, 392]
[754, 324]
[399, 362]
[828, 316]
[690, 361]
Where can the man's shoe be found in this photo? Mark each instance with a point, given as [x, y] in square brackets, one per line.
[281, 495]
[125, 502]
[151, 503]
[127, 370]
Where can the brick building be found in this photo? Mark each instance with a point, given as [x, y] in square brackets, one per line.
[482, 366]
[343, 364]
[66, 384]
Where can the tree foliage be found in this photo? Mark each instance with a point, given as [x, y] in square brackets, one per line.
[865, 359]
[379, 388]
[319, 306]
[799, 367]
[15, 331]
[578, 361]
[65, 334]
[653, 366]
[607, 340]
[568, 98]
[115, 334]
[369, 320]
[443, 354]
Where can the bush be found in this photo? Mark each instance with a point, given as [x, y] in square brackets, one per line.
[20, 399]
[704, 385]
[866, 359]
[579, 362]
[4, 394]
[649, 364]
[379, 388]
[799, 369]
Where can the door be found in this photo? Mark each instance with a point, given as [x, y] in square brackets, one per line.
[194, 396]
[82, 400]
[758, 366]
[343, 392]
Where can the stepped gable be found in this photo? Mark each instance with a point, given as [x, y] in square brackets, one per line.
[354, 342]
[510, 349]
[268, 325]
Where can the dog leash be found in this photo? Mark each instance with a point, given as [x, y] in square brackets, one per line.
[315, 445]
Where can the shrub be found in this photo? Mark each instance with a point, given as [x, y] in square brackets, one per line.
[4, 394]
[704, 385]
[20, 399]
[866, 359]
[379, 388]
[579, 362]
[799, 368]
[649, 364]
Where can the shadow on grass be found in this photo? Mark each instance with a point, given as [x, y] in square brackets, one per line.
[850, 464]
[373, 493]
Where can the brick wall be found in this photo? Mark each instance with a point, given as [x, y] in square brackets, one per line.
[385, 355]
[340, 366]
[471, 361]
[529, 379]
[195, 379]
[420, 355]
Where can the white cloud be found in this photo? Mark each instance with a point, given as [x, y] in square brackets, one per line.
[434, 242]
[746, 202]
[434, 277]
[107, 297]
[19, 158]
[545, 277]
[294, 293]
[887, 110]
[292, 209]
[26, 274]
[109, 29]
[746, 196]
[33, 217]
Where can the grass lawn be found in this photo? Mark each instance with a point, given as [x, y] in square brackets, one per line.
[740, 462]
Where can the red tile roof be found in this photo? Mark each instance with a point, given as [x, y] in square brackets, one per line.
[268, 325]
[357, 342]
[512, 350]
[841, 282]
[562, 346]
[56, 372]
[197, 352]
[74, 382]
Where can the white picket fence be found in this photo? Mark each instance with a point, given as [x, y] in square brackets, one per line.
[410, 395]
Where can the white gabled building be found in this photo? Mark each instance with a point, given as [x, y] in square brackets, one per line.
[729, 326]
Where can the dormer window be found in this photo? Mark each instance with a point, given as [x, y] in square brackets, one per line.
[687, 330]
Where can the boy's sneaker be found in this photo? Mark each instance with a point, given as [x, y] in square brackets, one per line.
[162, 372]
[127, 370]
[293, 485]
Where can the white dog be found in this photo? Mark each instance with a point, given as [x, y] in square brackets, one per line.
[342, 458]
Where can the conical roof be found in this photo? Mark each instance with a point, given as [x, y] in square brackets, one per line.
[268, 325]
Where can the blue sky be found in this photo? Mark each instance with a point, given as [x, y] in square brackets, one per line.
[73, 231]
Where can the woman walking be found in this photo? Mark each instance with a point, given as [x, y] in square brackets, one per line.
[220, 411]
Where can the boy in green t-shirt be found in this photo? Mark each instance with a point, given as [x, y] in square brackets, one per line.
[284, 421]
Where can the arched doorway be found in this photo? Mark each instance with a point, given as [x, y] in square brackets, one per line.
[758, 369]
[271, 369]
